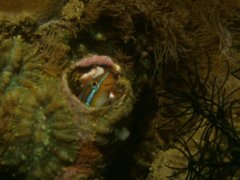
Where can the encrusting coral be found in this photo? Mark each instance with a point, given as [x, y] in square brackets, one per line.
[41, 135]
[45, 134]
[87, 84]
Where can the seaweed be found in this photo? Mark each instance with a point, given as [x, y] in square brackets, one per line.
[206, 115]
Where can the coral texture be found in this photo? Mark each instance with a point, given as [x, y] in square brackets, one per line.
[46, 132]
[38, 10]
[99, 89]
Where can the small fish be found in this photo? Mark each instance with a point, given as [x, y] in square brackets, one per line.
[99, 91]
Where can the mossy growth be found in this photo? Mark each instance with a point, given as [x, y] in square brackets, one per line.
[38, 134]
[18, 66]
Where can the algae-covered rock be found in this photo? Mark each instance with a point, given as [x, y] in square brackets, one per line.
[99, 89]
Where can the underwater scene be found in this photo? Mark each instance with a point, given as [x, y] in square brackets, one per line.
[119, 89]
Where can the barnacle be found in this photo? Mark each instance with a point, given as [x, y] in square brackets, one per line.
[107, 112]
[39, 136]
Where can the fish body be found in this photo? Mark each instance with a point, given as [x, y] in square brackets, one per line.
[98, 91]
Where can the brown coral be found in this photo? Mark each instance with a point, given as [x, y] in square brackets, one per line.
[39, 10]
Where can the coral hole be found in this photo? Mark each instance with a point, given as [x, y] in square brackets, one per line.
[95, 85]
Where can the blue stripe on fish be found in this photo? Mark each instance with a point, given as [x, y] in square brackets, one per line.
[95, 89]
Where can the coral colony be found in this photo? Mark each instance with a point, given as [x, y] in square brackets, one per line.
[99, 89]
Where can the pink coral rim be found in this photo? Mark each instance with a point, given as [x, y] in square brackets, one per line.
[95, 60]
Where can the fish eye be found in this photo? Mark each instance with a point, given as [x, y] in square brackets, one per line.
[94, 83]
